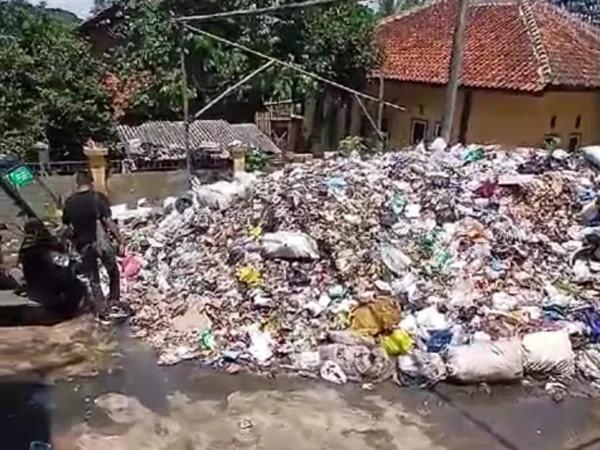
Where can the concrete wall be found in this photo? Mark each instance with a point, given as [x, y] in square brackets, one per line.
[496, 116]
[122, 189]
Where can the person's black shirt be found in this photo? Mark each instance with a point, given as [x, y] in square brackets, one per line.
[82, 211]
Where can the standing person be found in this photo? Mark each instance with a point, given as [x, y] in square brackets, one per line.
[88, 214]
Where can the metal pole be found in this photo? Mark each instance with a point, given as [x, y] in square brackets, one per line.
[293, 67]
[371, 121]
[230, 89]
[455, 67]
[186, 114]
[256, 11]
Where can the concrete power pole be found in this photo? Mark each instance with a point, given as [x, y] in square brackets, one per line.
[455, 66]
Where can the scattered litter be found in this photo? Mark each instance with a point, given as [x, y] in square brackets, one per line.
[450, 254]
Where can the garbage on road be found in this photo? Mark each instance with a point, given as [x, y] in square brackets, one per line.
[473, 264]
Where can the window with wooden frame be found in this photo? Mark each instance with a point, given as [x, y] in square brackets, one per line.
[418, 131]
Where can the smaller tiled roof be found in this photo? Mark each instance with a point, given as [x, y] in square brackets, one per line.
[170, 137]
[525, 45]
[171, 134]
[251, 135]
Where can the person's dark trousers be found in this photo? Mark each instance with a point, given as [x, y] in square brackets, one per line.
[89, 260]
[108, 257]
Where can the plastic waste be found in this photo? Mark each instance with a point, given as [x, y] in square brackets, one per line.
[337, 185]
[490, 362]
[592, 154]
[398, 343]
[207, 340]
[587, 362]
[359, 363]
[307, 360]
[504, 302]
[432, 319]
[421, 369]
[290, 245]
[474, 155]
[332, 372]
[318, 306]
[396, 261]
[375, 318]
[131, 266]
[438, 340]
[222, 194]
[249, 275]
[260, 345]
[548, 353]
[438, 145]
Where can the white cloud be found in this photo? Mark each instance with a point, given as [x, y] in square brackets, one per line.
[80, 7]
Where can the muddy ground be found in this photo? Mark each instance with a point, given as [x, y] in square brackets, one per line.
[80, 387]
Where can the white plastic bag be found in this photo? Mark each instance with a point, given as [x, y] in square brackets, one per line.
[222, 194]
[438, 145]
[290, 245]
[396, 261]
[549, 353]
[485, 362]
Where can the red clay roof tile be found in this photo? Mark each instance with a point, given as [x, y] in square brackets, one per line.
[524, 45]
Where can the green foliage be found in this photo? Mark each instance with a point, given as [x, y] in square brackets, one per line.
[387, 8]
[587, 10]
[256, 160]
[334, 42]
[50, 83]
[352, 144]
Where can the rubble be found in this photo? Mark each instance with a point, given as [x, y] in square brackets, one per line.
[411, 253]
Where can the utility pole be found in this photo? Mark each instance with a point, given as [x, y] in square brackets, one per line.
[456, 58]
[186, 112]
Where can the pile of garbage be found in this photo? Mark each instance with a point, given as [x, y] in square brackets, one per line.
[473, 264]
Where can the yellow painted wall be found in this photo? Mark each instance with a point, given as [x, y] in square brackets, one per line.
[422, 102]
[496, 116]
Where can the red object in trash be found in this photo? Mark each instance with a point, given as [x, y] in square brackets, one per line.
[487, 190]
[131, 266]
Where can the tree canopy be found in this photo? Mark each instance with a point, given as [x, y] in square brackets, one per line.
[334, 42]
[50, 85]
[588, 10]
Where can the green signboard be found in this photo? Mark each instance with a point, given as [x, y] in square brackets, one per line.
[20, 177]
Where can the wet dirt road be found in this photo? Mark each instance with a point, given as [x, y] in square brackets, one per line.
[45, 397]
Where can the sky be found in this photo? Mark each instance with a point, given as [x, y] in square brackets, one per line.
[80, 7]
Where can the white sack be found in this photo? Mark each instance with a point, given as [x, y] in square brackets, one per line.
[592, 154]
[290, 245]
[549, 353]
[486, 362]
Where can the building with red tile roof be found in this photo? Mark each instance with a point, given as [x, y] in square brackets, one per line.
[530, 70]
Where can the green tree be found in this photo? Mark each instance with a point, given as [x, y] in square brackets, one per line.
[335, 42]
[588, 10]
[50, 85]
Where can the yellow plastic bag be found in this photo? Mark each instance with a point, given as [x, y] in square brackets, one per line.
[255, 232]
[249, 275]
[398, 343]
[375, 318]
